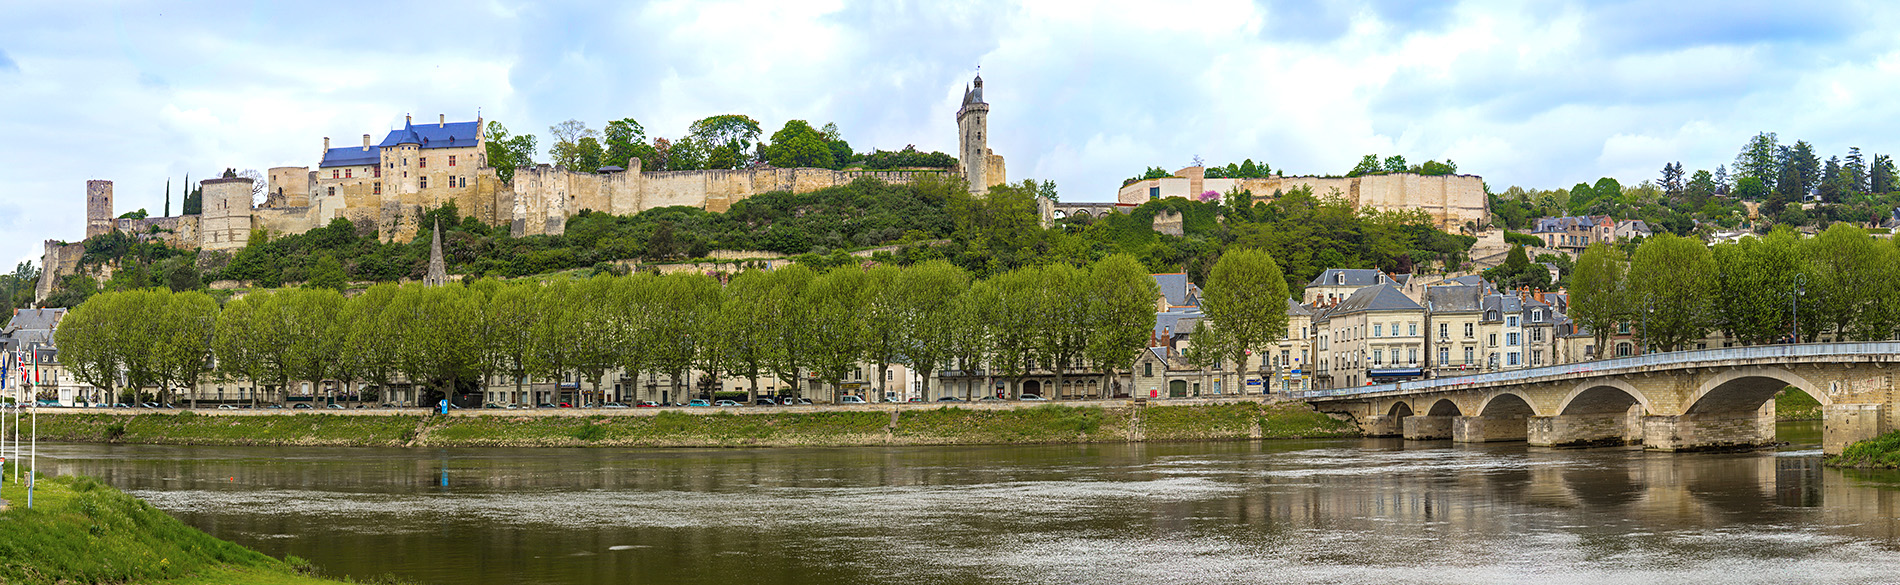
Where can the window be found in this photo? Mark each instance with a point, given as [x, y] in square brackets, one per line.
[349, 173]
[336, 174]
[1493, 339]
[1537, 357]
[422, 162]
[379, 171]
[1510, 321]
[1510, 358]
[464, 181]
[379, 187]
[332, 191]
[1510, 338]
[1623, 328]
[1154, 192]
[1444, 330]
[1537, 314]
[451, 160]
[1147, 369]
[1378, 357]
[1411, 330]
[1411, 356]
[422, 182]
[1444, 355]
[1467, 355]
[1624, 350]
[1537, 335]
[1378, 330]
[405, 161]
[1468, 331]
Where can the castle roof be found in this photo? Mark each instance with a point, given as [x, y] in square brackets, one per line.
[449, 135]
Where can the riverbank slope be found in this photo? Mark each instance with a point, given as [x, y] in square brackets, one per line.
[83, 531]
[1882, 452]
[711, 428]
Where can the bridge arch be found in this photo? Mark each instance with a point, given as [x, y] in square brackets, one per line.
[1746, 389]
[1444, 407]
[1604, 396]
[1505, 404]
[1399, 410]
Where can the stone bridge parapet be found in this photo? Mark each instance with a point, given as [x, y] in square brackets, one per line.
[1690, 400]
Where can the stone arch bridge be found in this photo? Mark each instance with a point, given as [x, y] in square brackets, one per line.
[1676, 401]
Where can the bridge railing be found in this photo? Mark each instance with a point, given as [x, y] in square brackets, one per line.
[1672, 358]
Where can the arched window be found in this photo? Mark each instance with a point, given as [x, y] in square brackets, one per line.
[1625, 350]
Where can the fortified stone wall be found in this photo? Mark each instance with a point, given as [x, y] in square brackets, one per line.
[60, 259]
[1450, 200]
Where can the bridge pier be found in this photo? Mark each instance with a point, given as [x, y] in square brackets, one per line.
[1427, 428]
[1383, 426]
[1487, 429]
[1698, 432]
[1583, 430]
[1843, 424]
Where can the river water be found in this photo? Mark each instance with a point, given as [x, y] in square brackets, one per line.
[1325, 511]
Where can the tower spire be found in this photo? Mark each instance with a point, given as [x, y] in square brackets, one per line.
[438, 270]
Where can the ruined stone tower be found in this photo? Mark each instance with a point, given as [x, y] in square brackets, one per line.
[98, 207]
[972, 143]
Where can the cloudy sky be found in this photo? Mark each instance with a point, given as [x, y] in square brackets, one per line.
[1084, 94]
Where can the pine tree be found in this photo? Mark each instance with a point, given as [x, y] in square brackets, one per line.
[168, 197]
[1856, 168]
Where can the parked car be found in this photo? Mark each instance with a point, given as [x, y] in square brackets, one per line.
[915, 399]
[301, 406]
[646, 404]
[612, 405]
[850, 399]
[121, 405]
[335, 406]
[494, 405]
[989, 399]
[727, 403]
[1032, 397]
[566, 405]
[698, 402]
[226, 407]
[794, 401]
[949, 399]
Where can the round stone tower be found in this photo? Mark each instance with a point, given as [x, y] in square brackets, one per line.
[972, 142]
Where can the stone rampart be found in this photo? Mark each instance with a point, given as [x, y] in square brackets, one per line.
[1450, 200]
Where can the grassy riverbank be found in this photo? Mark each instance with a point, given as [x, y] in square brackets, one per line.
[713, 428]
[1882, 452]
[83, 531]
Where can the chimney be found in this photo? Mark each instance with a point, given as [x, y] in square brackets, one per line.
[441, 120]
[326, 144]
[365, 142]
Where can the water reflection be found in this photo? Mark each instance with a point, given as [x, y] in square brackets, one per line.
[1337, 511]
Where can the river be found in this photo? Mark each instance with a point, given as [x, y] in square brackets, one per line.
[1325, 511]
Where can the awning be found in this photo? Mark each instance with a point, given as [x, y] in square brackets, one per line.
[1395, 373]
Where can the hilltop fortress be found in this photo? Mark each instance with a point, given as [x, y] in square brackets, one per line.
[391, 183]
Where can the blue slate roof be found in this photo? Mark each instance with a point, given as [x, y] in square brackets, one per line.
[352, 156]
[427, 136]
[1177, 289]
[450, 135]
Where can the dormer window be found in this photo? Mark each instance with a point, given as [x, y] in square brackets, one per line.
[1339, 278]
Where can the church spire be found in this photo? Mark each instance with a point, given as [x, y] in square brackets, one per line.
[438, 270]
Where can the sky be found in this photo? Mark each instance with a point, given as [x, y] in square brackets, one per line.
[1533, 94]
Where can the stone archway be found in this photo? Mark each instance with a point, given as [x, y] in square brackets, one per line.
[1594, 413]
[1502, 417]
[1434, 424]
[1033, 387]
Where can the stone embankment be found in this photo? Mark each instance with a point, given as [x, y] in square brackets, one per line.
[879, 424]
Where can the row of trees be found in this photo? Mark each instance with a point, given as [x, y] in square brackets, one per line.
[783, 323]
[1673, 291]
[727, 141]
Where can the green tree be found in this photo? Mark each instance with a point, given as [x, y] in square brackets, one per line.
[372, 345]
[506, 153]
[1061, 318]
[1597, 293]
[727, 139]
[973, 339]
[798, 145]
[1674, 280]
[887, 320]
[1760, 160]
[930, 293]
[682, 305]
[87, 338]
[566, 151]
[741, 327]
[438, 347]
[1246, 299]
[788, 316]
[189, 321]
[1121, 315]
[837, 305]
[516, 310]
[1754, 278]
[626, 140]
[1751, 189]
[1844, 265]
[1395, 164]
[327, 274]
[1367, 165]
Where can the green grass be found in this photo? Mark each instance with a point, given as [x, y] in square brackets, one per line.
[1282, 420]
[195, 429]
[665, 429]
[1793, 404]
[83, 531]
[1882, 452]
[1041, 424]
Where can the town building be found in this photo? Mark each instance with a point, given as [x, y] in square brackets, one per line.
[1574, 233]
[1376, 335]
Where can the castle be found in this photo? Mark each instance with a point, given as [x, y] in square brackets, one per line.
[390, 184]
